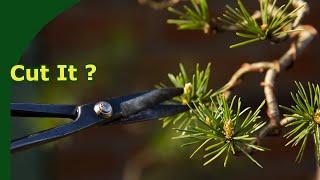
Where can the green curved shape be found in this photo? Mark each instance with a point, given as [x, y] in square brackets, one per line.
[20, 21]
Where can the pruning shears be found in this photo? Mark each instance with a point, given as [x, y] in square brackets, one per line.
[120, 110]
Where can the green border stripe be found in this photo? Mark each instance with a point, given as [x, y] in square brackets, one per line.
[20, 22]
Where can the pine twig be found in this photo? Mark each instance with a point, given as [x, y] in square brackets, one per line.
[159, 4]
[301, 40]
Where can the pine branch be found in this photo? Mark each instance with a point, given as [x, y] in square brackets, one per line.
[224, 128]
[214, 130]
[306, 115]
[276, 23]
[196, 89]
[272, 69]
[192, 18]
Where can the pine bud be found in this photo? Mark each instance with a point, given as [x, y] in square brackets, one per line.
[206, 28]
[263, 27]
[187, 88]
[316, 116]
[184, 101]
[228, 129]
[208, 121]
[186, 93]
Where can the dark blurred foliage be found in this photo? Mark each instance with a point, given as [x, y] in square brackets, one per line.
[134, 49]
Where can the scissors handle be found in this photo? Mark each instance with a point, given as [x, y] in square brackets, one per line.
[43, 110]
[86, 118]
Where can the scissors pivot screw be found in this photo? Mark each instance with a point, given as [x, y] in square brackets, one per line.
[103, 109]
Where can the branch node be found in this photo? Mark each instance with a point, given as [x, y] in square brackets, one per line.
[269, 85]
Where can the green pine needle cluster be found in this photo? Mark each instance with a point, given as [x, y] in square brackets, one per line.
[195, 18]
[223, 129]
[274, 22]
[195, 89]
[306, 113]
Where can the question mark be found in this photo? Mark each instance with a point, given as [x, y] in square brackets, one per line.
[92, 70]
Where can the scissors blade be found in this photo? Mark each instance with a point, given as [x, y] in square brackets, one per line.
[125, 106]
[149, 99]
[157, 112]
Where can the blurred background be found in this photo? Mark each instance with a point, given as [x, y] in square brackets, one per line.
[134, 49]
